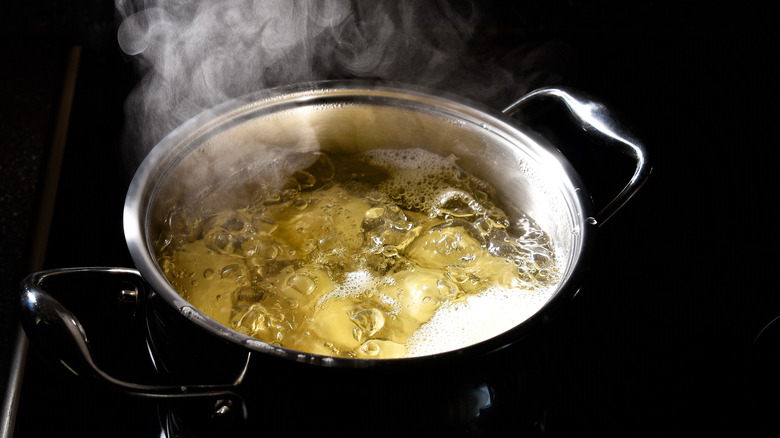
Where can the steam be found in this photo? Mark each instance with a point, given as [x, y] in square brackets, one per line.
[193, 55]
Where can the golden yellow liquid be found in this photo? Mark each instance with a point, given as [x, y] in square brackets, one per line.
[382, 255]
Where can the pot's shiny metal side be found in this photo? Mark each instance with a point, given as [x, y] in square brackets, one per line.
[249, 143]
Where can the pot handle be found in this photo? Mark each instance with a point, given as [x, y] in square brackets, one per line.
[595, 119]
[57, 334]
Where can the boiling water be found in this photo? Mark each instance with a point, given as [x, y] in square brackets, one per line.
[380, 255]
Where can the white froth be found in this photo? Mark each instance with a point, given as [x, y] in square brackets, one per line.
[412, 168]
[480, 317]
[355, 284]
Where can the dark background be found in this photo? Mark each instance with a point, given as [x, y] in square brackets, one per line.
[662, 340]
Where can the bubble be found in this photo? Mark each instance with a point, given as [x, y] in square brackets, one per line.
[373, 214]
[305, 179]
[232, 271]
[370, 348]
[249, 246]
[457, 274]
[208, 274]
[483, 226]
[449, 243]
[369, 321]
[252, 321]
[375, 196]
[333, 349]
[219, 241]
[303, 283]
[232, 221]
[456, 203]
[329, 244]
[390, 251]
[322, 169]
[463, 229]
[448, 290]
[300, 204]
[542, 260]
[289, 190]
[267, 251]
[526, 276]
[387, 229]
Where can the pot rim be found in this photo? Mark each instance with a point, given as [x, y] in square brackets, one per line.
[137, 211]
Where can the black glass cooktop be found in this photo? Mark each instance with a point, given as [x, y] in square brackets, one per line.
[661, 339]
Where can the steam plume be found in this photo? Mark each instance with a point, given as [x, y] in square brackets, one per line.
[193, 55]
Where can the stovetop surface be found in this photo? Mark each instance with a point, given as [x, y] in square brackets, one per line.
[661, 339]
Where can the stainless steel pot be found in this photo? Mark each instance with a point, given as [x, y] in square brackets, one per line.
[243, 144]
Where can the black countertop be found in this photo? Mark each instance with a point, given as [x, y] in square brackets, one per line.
[664, 341]
[37, 42]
